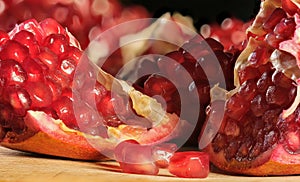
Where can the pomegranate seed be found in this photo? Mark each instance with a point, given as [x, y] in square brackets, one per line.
[248, 90]
[40, 94]
[49, 58]
[278, 78]
[276, 95]
[273, 40]
[177, 56]
[19, 99]
[263, 82]
[14, 50]
[158, 85]
[28, 39]
[57, 43]
[248, 73]
[34, 70]
[259, 56]
[50, 26]
[135, 158]
[12, 72]
[285, 28]
[274, 19]
[237, 107]
[55, 88]
[64, 109]
[162, 153]
[189, 164]
[68, 66]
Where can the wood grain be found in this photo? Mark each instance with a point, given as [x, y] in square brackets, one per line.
[18, 166]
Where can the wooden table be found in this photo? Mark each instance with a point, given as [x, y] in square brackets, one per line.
[19, 166]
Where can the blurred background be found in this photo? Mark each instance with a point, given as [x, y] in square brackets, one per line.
[202, 11]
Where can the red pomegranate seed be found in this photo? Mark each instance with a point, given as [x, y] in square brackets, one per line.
[278, 78]
[285, 28]
[40, 94]
[49, 58]
[158, 85]
[50, 26]
[57, 43]
[135, 158]
[237, 107]
[55, 88]
[12, 72]
[274, 19]
[263, 82]
[67, 67]
[176, 56]
[248, 73]
[276, 95]
[19, 99]
[34, 70]
[106, 106]
[248, 90]
[64, 109]
[162, 154]
[14, 50]
[273, 40]
[189, 164]
[259, 56]
[28, 39]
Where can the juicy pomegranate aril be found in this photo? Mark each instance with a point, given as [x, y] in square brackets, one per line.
[39, 94]
[258, 131]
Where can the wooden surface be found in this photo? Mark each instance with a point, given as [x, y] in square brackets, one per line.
[19, 166]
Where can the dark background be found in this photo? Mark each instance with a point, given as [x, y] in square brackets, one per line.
[202, 11]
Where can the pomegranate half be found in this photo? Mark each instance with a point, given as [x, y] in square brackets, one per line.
[50, 105]
[254, 128]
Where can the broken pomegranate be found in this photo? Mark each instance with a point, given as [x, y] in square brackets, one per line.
[181, 79]
[253, 129]
[190, 164]
[55, 101]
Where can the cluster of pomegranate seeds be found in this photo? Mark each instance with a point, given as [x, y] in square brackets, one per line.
[146, 159]
[37, 65]
[279, 27]
[204, 73]
[260, 99]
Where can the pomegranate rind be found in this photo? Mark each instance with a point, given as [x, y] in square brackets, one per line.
[52, 137]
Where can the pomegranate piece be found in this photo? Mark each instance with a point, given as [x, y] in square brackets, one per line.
[135, 158]
[182, 78]
[257, 131]
[46, 79]
[189, 164]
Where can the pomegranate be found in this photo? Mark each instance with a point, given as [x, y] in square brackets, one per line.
[49, 103]
[204, 61]
[253, 129]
